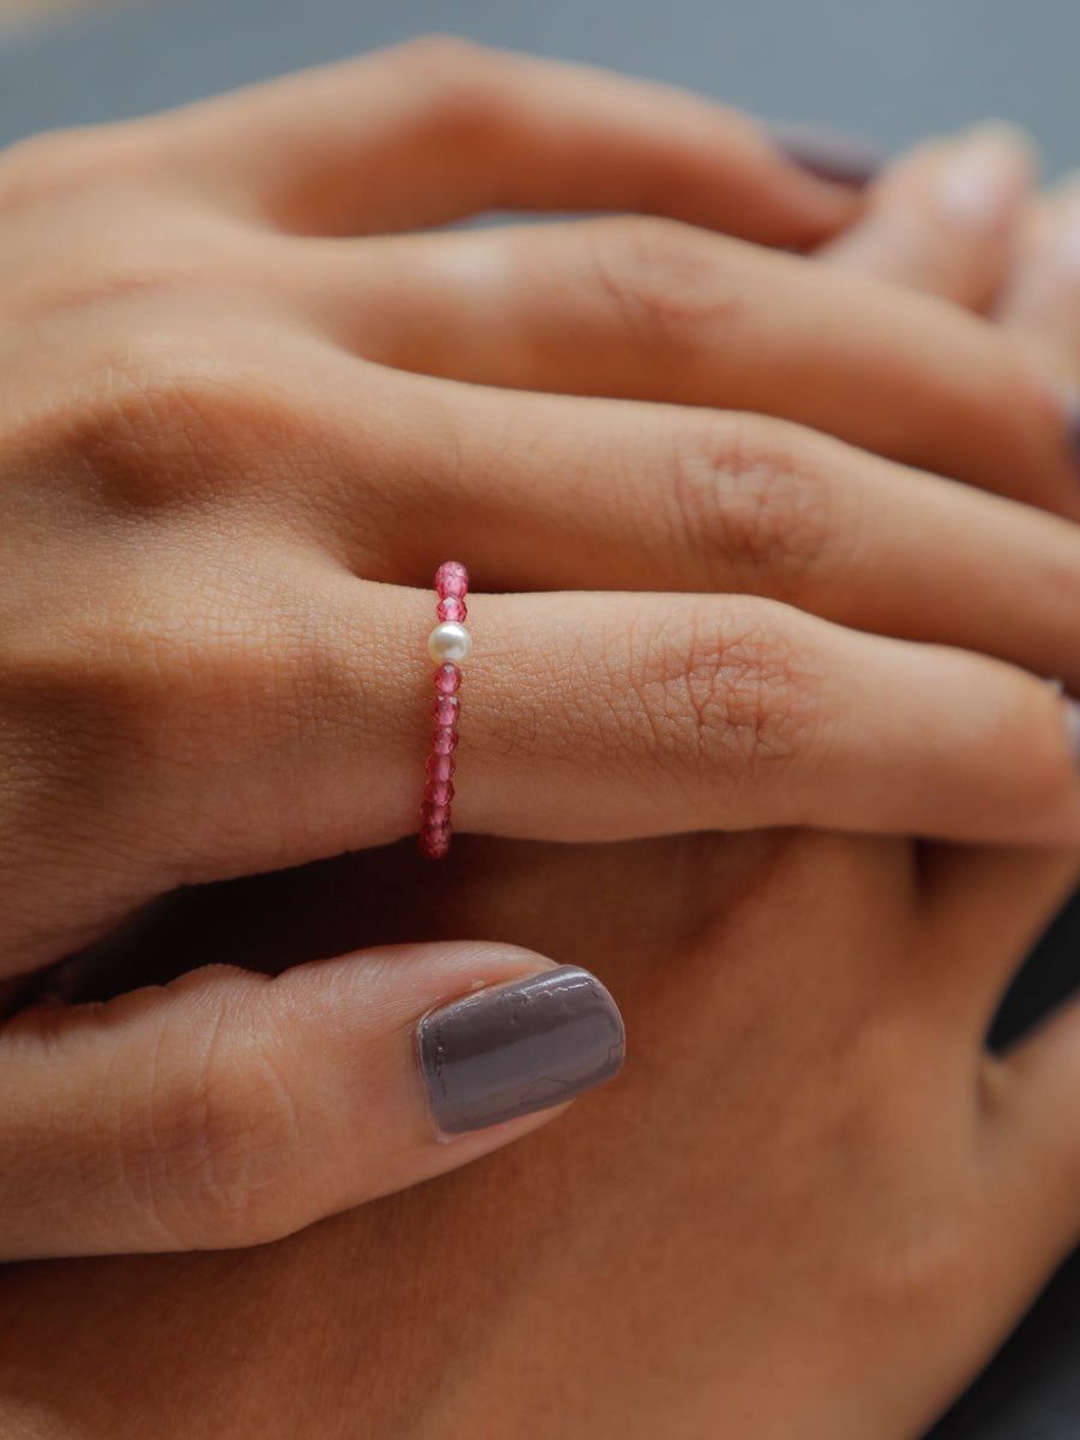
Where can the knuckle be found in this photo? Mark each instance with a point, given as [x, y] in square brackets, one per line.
[752, 502]
[728, 692]
[40, 165]
[62, 162]
[437, 53]
[664, 280]
[458, 83]
[157, 430]
[227, 1147]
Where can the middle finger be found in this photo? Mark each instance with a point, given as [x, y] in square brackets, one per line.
[543, 492]
[653, 310]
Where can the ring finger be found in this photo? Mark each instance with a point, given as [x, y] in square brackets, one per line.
[589, 717]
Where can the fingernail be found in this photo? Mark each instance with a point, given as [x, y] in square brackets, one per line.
[1072, 720]
[985, 174]
[829, 154]
[512, 1049]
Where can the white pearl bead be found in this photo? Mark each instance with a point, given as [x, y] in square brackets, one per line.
[449, 643]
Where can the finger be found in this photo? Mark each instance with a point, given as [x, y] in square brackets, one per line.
[946, 219]
[545, 494]
[229, 1109]
[654, 311]
[590, 717]
[295, 726]
[733, 714]
[1042, 301]
[438, 129]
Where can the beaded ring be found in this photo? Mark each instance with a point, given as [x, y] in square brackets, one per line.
[449, 646]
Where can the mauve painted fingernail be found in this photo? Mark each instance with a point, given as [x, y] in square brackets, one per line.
[511, 1049]
[829, 154]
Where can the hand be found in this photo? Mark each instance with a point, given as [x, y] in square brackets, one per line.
[114, 347]
[206, 443]
[812, 1204]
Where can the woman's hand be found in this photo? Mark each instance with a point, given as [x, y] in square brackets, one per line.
[203, 466]
[812, 1205]
[135, 261]
[230, 446]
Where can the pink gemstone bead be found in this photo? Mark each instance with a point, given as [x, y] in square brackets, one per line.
[434, 844]
[447, 679]
[451, 587]
[440, 767]
[451, 579]
[444, 741]
[452, 609]
[438, 792]
[446, 709]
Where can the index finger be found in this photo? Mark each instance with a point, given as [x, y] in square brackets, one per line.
[437, 129]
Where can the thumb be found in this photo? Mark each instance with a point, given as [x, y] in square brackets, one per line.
[230, 1108]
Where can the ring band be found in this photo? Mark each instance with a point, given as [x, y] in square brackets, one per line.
[449, 646]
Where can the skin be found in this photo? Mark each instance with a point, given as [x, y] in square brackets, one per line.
[933, 1155]
[221, 491]
[808, 1165]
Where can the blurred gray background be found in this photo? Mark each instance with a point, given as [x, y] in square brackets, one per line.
[889, 72]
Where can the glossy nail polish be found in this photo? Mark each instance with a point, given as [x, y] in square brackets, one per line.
[512, 1049]
[829, 154]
